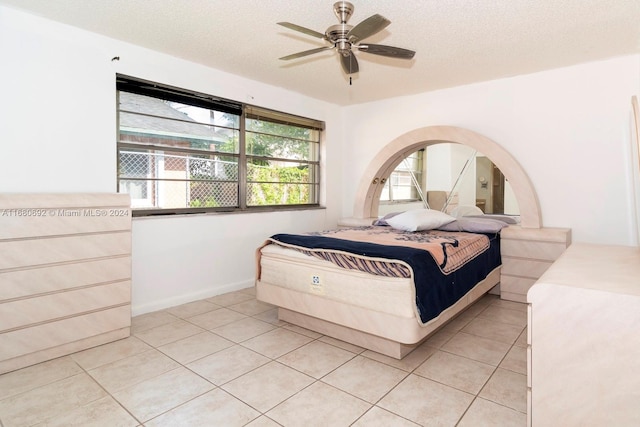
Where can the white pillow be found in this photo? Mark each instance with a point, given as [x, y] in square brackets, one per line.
[420, 219]
[466, 210]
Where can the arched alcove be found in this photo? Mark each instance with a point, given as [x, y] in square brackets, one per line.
[368, 194]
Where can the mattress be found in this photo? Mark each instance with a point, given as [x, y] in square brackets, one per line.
[443, 266]
[293, 270]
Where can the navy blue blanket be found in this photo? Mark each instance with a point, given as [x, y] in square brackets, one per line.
[435, 291]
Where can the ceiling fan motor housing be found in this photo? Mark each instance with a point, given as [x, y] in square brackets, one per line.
[337, 34]
[343, 10]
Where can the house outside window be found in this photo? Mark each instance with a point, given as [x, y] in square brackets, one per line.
[185, 152]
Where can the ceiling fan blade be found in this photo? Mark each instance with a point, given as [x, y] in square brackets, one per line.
[349, 63]
[307, 31]
[368, 27]
[305, 53]
[390, 51]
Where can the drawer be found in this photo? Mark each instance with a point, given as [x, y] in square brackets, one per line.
[547, 251]
[516, 285]
[16, 254]
[545, 234]
[41, 337]
[25, 312]
[529, 366]
[529, 323]
[65, 222]
[528, 268]
[35, 281]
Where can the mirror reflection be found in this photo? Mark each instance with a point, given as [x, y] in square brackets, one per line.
[444, 176]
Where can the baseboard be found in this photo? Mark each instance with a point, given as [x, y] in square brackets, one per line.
[138, 308]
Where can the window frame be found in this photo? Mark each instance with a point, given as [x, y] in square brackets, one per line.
[244, 113]
[401, 172]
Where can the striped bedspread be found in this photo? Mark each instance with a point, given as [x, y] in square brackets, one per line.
[450, 250]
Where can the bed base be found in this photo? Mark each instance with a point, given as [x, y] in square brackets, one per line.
[392, 335]
[362, 339]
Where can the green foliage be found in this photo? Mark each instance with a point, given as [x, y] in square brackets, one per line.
[208, 202]
[231, 146]
[269, 139]
[278, 185]
[268, 184]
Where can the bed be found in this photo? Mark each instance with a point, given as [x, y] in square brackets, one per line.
[385, 288]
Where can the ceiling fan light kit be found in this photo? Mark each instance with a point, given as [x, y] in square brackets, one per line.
[344, 37]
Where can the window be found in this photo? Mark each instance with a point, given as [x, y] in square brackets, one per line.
[282, 159]
[185, 152]
[406, 181]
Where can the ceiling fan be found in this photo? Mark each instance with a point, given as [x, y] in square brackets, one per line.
[344, 38]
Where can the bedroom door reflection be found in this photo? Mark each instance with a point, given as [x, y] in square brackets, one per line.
[490, 186]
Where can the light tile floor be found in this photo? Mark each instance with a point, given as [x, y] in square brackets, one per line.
[228, 361]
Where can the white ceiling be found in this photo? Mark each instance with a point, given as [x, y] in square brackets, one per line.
[457, 41]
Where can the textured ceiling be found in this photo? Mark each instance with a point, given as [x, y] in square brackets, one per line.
[457, 41]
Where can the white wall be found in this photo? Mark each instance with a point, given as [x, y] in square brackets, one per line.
[439, 164]
[569, 128]
[58, 134]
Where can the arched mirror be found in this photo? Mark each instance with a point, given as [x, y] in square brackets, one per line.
[444, 176]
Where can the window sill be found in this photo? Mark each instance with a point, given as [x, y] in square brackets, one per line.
[161, 215]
